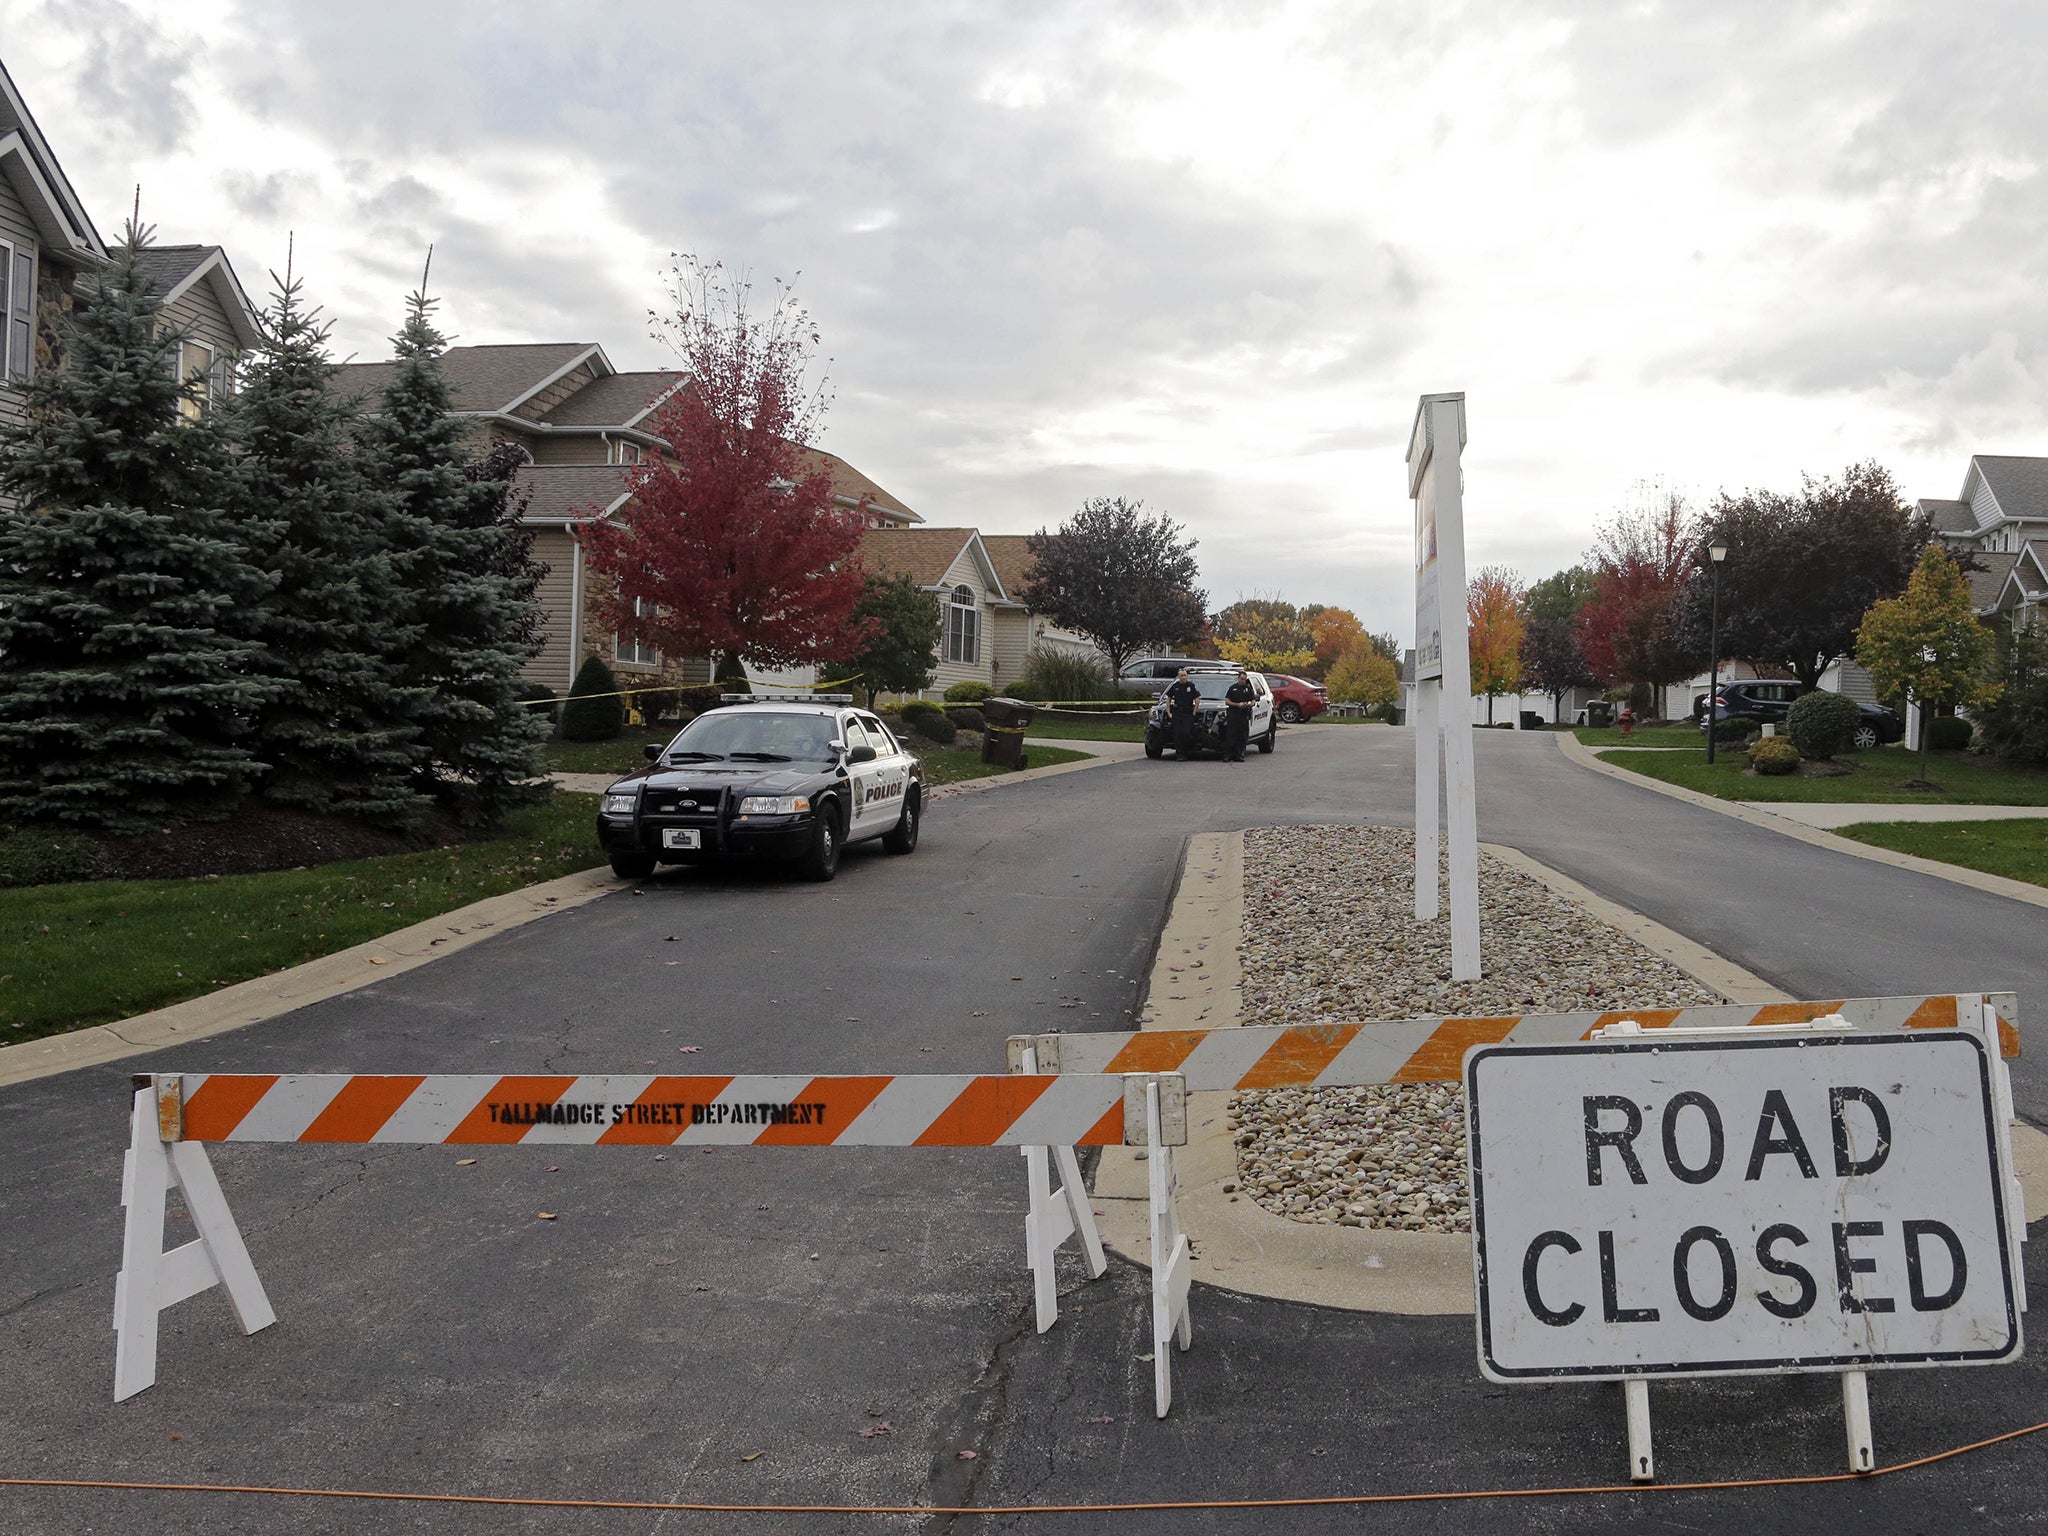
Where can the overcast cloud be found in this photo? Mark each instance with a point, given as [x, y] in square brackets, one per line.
[1203, 255]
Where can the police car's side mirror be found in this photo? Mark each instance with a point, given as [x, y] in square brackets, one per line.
[653, 753]
[861, 755]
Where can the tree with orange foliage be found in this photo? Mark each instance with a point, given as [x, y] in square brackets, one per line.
[1495, 621]
[730, 548]
[1334, 631]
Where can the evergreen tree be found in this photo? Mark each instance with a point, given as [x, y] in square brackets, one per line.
[464, 603]
[125, 688]
[337, 730]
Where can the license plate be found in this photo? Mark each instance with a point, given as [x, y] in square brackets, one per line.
[681, 837]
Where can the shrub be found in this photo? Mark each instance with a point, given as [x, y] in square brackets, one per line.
[47, 855]
[657, 703]
[968, 693]
[1946, 733]
[551, 711]
[594, 712]
[934, 727]
[967, 717]
[2014, 725]
[1061, 675]
[917, 709]
[1773, 755]
[1822, 724]
[1734, 728]
[1027, 691]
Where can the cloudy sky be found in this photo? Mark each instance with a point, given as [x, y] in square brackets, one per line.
[1204, 255]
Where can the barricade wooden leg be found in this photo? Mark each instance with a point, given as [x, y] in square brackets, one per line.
[151, 1279]
[1856, 1419]
[1054, 1215]
[1975, 1012]
[1171, 1260]
[1642, 1461]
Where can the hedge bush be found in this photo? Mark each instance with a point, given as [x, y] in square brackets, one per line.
[933, 727]
[1734, 728]
[968, 693]
[918, 709]
[46, 856]
[1822, 724]
[1057, 675]
[1945, 733]
[967, 717]
[594, 712]
[1025, 690]
[1773, 755]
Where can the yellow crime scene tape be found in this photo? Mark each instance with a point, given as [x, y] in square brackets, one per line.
[628, 693]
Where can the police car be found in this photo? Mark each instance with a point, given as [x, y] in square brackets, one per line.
[793, 776]
[1213, 682]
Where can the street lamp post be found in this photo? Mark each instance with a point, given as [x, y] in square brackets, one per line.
[1716, 553]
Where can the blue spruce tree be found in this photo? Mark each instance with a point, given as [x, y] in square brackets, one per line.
[465, 589]
[338, 731]
[126, 689]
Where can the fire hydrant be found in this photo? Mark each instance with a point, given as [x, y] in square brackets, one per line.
[1628, 720]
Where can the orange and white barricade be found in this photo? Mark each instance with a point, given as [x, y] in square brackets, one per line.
[1417, 1050]
[176, 1115]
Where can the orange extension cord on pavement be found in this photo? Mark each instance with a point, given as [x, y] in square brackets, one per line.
[659, 1507]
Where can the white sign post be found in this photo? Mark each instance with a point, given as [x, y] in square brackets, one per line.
[1443, 676]
[1796, 1199]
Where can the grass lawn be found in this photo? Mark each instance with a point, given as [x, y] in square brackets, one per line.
[1651, 736]
[622, 754]
[2016, 849]
[1109, 728]
[1964, 780]
[98, 950]
[943, 765]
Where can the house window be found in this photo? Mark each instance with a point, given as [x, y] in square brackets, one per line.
[963, 627]
[195, 365]
[639, 653]
[618, 452]
[17, 311]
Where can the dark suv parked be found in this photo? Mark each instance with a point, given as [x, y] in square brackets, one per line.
[1759, 700]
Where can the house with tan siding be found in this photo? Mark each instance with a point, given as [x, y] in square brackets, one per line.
[581, 422]
[1017, 630]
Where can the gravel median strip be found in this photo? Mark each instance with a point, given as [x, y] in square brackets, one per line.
[1330, 937]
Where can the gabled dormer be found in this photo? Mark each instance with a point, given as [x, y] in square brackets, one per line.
[2007, 497]
[46, 239]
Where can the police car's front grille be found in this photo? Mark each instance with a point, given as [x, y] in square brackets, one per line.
[684, 805]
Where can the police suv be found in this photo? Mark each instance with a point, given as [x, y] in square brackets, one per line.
[795, 776]
[1213, 682]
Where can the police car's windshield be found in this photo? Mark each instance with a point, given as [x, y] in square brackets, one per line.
[756, 735]
[1213, 684]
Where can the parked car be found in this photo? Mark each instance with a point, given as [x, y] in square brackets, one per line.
[790, 776]
[1772, 701]
[1296, 698]
[1155, 672]
[1213, 684]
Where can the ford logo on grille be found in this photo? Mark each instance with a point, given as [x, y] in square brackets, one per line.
[686, 805]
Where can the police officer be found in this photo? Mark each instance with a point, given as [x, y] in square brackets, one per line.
[1182, 699]
[1237, 716]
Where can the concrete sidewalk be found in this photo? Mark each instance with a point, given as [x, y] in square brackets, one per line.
[1850, 814]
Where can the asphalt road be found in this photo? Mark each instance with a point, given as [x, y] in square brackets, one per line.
[862, 1318]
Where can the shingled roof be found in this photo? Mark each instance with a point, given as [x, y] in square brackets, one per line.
[558, 492]
[1008, 553]
[618, 400]
[851, 483]
[1949, 516]
[1985, 585]
[481, 378]
[2018, 482]
[922, 554]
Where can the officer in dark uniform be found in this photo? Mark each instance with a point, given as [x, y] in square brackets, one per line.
[1237, 716]
[1182, 699]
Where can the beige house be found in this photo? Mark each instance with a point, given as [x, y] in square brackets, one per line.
[2001, 519]
[581, 422]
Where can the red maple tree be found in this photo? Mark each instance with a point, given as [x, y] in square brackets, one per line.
[732, 546]
[1640, 564]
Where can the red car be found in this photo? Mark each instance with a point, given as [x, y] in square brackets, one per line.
[1296, 699]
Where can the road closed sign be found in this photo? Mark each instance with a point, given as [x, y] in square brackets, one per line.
[1655, 1206]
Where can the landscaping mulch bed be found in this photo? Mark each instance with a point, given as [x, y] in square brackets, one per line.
[1330, 936]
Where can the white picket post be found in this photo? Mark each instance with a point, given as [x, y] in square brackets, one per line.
[1054, 1215]
[151, 1279]
[1171, 1258]
[1974, 1012]
[1856, 1421]
[1642, 1459]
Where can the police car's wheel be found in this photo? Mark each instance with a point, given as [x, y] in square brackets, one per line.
[902, 838]
[1154, 747]
[1266, 741]
[632, 866]
[822, 862]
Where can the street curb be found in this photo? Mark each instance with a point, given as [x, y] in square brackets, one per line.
[1195, 983]
[266, 997]
[1023, 776]
[1955, 874]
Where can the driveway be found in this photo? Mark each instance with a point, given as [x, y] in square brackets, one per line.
[861, 1318]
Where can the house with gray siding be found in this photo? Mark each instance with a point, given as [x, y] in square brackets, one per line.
[2001, 519]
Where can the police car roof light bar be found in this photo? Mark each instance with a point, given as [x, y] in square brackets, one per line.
[785, 698]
